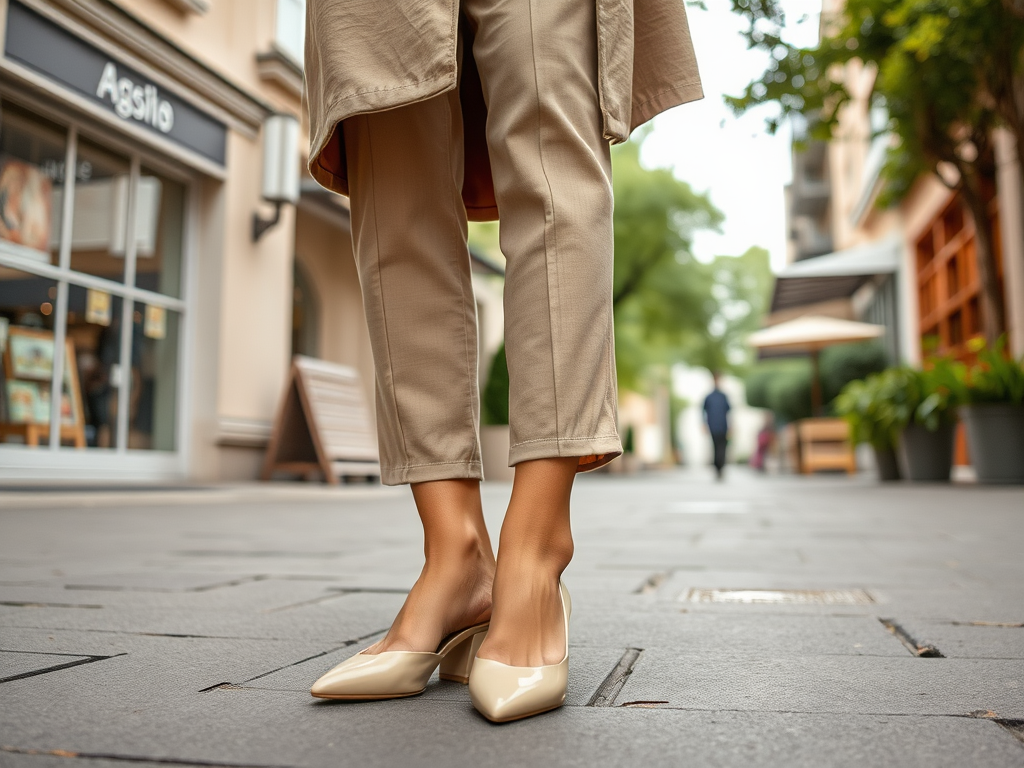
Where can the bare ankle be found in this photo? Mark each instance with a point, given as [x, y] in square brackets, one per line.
[458, 551]
[545, 554]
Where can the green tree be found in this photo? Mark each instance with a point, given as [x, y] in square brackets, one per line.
[661, 295]
[741, 288]
[948, 71]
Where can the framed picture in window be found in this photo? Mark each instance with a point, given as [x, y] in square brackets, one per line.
[25, 403]
[25, 204]
[28, 369]
[30, 354]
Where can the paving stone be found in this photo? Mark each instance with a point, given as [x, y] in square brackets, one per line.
[14, 760]
[969, 642]
[241, 587]
[833, 684]
[173, 666]
[759, 636]
[348, 616]
[285, 729]
[15, 663]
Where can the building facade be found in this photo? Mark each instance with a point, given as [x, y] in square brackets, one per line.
[132, 147]
[911, 267]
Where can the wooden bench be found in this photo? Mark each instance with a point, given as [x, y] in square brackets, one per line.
[824, 444]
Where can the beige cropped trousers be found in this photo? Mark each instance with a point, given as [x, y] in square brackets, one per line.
[537, 61]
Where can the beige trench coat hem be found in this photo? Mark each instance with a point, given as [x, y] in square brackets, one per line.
[366, 102]
[655, 105]
[615, 130]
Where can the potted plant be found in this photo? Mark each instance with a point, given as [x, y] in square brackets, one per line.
[494, 430]
[923, 403]
[864, 405]
[994, 414]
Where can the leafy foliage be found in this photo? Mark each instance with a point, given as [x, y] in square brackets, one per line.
[661, 296]
[996, 377]
[848, 362]
[948, 72]
[494, 398]
[863, 404]
[741, 288]
[881, 406]
[784, 385]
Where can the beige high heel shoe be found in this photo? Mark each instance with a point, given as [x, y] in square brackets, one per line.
[501, 692]
[396, 674]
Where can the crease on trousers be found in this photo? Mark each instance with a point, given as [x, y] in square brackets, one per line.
[537, 62]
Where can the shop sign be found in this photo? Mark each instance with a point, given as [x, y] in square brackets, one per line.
[137, 102]
[49, 49]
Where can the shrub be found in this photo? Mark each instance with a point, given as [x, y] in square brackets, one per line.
[784, 385]
[494, 400]
[789, 393]
[866, 405]
[996, 377]
[844, 363]
[759, 381]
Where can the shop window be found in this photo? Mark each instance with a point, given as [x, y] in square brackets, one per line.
[120, 365]
[100, 219]
[32, 157]
[27, 354]
[94, 325]
[952, 223]
[956, 328]
[925, 252]
[973, 317]
[153, 408]
[952, 278]
[159, 225]
[291, 28]
[948, 283]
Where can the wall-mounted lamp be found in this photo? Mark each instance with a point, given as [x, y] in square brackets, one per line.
[280, 168]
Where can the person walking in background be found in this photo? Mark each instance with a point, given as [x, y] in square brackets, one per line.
[428, 114]
[716, 415]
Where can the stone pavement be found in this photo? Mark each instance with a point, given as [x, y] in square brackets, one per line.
[184, 627]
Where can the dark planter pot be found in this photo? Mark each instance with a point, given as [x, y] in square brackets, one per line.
[927, 456]
[888, 466]
[995, 437]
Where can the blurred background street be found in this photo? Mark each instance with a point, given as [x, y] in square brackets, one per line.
[191, 523]
[165, 257]
[779, 622]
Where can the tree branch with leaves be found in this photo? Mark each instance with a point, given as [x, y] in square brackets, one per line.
[947, 71]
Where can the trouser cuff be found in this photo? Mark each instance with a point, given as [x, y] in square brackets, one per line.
[600, 450]
[423, 473]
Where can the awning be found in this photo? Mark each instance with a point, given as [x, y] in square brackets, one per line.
[835, 276]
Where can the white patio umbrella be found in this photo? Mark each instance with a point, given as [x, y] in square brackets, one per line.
[811, 334]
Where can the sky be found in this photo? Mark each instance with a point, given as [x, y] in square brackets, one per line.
[734, 159]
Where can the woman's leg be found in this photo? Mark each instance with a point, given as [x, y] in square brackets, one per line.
[534, 548]
[552, 172]
[454, 589]
[409, 235]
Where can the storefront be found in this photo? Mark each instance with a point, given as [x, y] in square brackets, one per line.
[153, 287]
[99, 168]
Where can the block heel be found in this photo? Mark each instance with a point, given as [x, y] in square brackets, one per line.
[458, 663]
